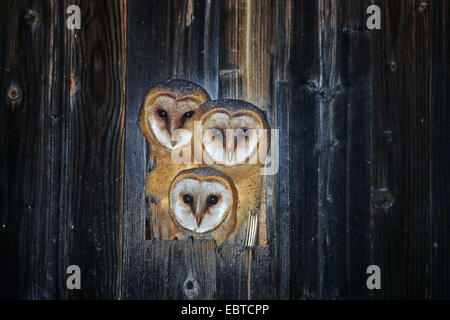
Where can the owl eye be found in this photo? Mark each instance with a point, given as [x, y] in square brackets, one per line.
[188, 114]
[162, 114]
[187, 198]
[217, 133]
[242, 133]
[212, 200]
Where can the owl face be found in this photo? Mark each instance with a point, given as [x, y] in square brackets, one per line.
[232, 131]
[200, 203]
[166, 114]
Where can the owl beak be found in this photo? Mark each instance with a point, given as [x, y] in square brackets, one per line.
[199, 217]
[230, 145]
[172, 127]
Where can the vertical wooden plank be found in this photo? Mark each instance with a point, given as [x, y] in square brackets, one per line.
[8, 124]
[34, 142]
[440, 152]
[97, 112]
[166, 39]
[232, 268]
[182, 38]
[282, 184]
[401, 150]
[139, 36]
[318, 152]
[232, 49]
[304, 63]
[357, 71]
[245, 72]
[330, 132]
[182, 271]
[246, 51]
[331, 129]
[332, 90]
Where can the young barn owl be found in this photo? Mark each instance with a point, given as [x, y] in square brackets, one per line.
[168, 107]
[235, 139]
[203, 203]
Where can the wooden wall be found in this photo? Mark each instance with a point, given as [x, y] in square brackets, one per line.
[363, 119]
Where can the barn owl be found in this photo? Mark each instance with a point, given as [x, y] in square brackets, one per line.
[168, 107]
[233, 142]
[203, 203]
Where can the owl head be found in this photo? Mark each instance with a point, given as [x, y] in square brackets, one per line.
[232, 132]
[201, 199]
[168, 107]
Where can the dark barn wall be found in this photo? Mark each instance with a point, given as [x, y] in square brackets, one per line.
[363, 119]
[62, 124]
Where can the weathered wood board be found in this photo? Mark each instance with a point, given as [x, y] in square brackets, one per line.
[62, 139]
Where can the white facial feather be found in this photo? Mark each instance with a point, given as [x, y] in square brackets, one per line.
[225, 140]
[199, 191]
[161, 127]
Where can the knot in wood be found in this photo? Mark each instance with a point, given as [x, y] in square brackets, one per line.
[311, 86]
[323, 92]
[383, 198]
[387, 135]
[191, 287]
[393, 66]
[13, 93]
[423, 6]
[334, 142]
[31, 17]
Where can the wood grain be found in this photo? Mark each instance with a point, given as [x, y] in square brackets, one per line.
[356, 71]
[363, 121]
[95, 156]
[439, 150]
[304, 61]
[63, 164]
[329, 126]
[401, 150]
[281, 210]
[330, 132]
[34, 92]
